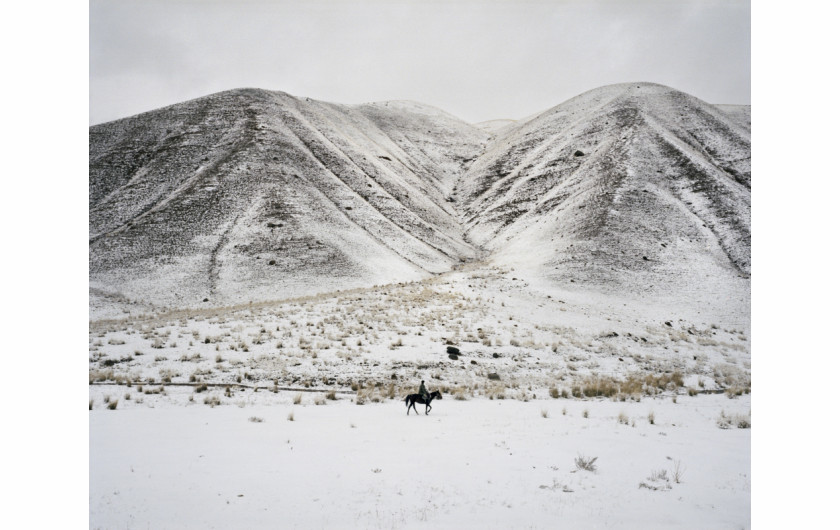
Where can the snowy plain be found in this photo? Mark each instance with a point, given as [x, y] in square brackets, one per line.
[493, 453]
[469, 464]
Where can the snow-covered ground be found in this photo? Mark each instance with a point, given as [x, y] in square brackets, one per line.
[477, 463]
[200, 435]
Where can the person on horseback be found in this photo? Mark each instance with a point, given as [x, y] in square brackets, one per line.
[423, 392]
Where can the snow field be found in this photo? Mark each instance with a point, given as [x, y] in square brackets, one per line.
[190, 410]
[469, 464]
[397, 335]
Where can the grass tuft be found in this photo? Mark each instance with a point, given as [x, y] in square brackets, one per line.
[585, 463]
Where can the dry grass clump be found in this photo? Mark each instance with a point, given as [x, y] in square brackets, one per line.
[585, 463]
[727, 421]
[554, 392]
[623, 418]
[596, 386]
[728, 375]
[657, 481]
[212, 401]
[678, 472]
[495, 392]
[735, 391]
[461, 394]
[297, 399]
[107, 374]
[255, 419]
[112, 405]
[636, 384]
[331, 395]
[374, 393]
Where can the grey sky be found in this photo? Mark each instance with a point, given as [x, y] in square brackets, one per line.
[477, 60]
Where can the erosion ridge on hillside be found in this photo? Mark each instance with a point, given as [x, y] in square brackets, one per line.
[251, 195]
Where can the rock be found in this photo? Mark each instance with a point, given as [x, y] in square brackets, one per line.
[494, 377]
[453, 356]
[272, 262]
[579, 153]
[453, 350]
[668, 323]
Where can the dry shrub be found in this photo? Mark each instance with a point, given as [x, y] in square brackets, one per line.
[726, 421]
[636, 384]
[585, 463]
[495, 392]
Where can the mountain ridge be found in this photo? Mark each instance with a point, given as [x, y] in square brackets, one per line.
[252, 194]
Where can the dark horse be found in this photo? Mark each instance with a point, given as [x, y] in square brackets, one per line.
[411, 399]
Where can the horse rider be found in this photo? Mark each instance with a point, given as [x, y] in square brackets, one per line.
[423, 392]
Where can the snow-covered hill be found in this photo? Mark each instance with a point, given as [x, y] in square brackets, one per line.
[635, 186]
[252, 195]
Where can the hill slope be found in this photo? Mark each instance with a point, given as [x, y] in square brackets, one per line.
[251, 195]
[633, 186]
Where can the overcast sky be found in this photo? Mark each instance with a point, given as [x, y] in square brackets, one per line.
[477, 60]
